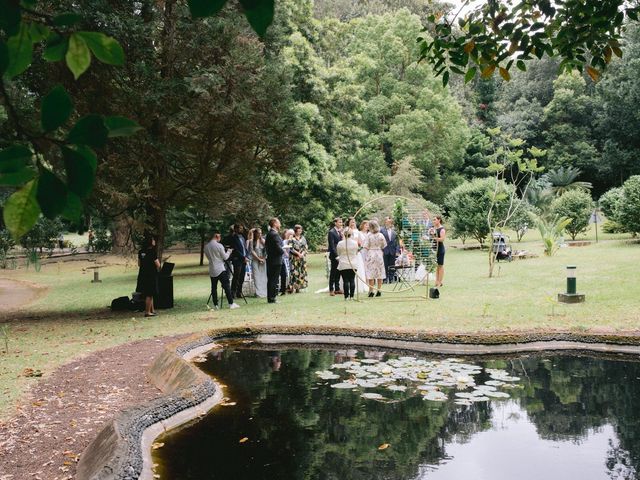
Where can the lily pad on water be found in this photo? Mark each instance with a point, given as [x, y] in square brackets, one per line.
[495, 383]
[373, 396]
[497, 394]
[436, 396]
[344, 385]
[397, 388]
[464, 394]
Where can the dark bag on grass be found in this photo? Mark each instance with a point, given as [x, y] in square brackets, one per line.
[434, 293]
[120, 304]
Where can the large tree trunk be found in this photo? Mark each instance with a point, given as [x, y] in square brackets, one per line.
[167, 63]
[121, 235]
[159, 219]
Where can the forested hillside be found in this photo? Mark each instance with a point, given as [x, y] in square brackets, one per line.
[329, 109]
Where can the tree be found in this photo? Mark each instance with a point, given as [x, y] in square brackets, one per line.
[576, 205]
[569, 128]
[611, 202]
[470, 203]
[618, 120]
[630, 206]
[54, 170]
[497, 35]
[386, 107]
[563, 180]
[514, 165]
[522, 219]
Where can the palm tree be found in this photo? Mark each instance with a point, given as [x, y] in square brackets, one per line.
[563, 179]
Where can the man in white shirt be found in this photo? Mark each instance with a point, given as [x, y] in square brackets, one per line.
[217, 256]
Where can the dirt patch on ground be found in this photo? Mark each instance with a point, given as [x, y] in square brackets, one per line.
[16, 294]
[65, 411]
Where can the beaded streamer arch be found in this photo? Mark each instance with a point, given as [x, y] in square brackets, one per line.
[412, 222]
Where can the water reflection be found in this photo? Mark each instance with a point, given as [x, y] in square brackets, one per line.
[575, 417]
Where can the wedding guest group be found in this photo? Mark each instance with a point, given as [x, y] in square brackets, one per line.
[378, 253]
[274, 263]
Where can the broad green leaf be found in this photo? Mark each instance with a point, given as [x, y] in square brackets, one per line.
[89, 130]
[14, 179]
[121, 126]
[51, 194]
[106, 49]
[205, 8]
[80, 165]
[38, 32]
[259, 13]
[73, 209]
[445, 78]
[20, 50]
[66, 19]
[21, 210]
[10, 18]
[14, 158]
[56, 48]
[78, 56]
[471, 73]
[56, 108]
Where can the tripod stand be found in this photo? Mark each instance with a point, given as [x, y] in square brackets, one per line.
[223, 297]
[229, 271]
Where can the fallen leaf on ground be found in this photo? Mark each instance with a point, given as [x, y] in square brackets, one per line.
[384, 446]
[157, 445]
[243, 439]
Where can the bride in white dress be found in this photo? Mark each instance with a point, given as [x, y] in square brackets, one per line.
[360, 237]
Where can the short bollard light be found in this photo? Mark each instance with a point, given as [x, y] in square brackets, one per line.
[96, 277]
[571, 295]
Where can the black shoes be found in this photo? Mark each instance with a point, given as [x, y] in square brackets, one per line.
[379, 294]
[371, 294]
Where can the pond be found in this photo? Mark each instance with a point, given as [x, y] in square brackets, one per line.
[321, 413]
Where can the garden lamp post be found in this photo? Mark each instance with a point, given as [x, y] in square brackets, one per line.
[571, 295]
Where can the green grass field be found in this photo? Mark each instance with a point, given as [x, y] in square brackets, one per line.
[72, 318]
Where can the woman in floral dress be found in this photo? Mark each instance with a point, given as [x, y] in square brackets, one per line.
[374, 260]
[298, 259]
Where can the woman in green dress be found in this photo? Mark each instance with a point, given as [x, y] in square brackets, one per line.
[298, 259]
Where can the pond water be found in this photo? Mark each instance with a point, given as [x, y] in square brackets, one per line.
[301, 414]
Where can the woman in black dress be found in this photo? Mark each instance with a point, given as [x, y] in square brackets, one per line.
[148, 274]
[439, 235]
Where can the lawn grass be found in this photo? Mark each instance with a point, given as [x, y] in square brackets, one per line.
[71, 319]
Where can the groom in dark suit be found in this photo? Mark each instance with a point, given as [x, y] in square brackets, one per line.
[334, 236]
[273, 246]
[392, 250]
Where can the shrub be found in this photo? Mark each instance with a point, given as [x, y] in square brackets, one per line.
[551, 232]
[469, 203]
[610, 203]
[102, 241]
[611, 226]
[629, 211]
[576, 205]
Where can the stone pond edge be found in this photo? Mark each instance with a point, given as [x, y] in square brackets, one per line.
[122, 449]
